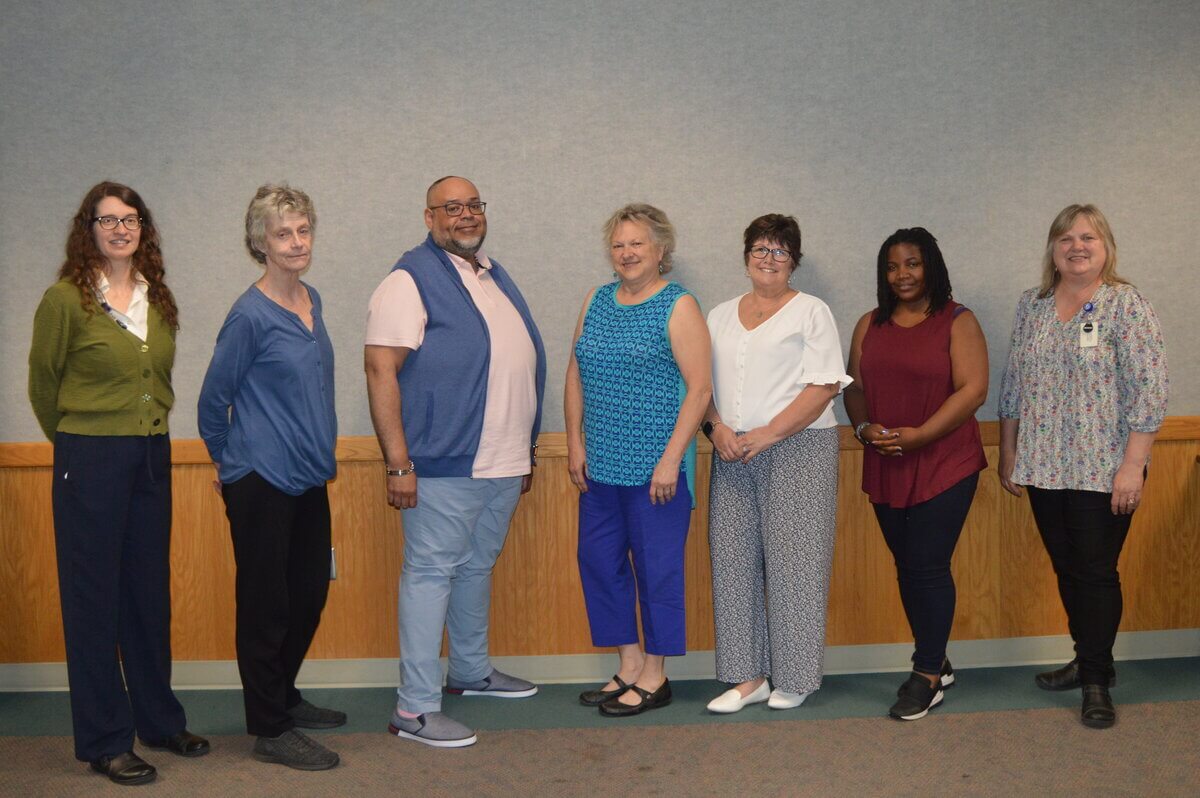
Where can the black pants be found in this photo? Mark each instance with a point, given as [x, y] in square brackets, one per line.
[281, 546]
[1084, 540]
[112, 533]
[922, 539]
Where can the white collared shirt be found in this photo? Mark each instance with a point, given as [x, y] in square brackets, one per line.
[757, 373]
[136, 316]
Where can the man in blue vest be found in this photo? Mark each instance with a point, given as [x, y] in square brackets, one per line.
[455, 376]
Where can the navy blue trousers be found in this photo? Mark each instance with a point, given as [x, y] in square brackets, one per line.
[922, 539]
[618, 524]
[112, 532]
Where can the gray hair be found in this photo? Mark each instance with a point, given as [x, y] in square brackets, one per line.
[660, 227]
[274, 200]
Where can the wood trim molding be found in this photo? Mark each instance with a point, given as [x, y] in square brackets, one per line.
[365, 449]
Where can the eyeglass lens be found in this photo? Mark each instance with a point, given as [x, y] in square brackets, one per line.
[779, 255]
[111, 222]
[456, 209]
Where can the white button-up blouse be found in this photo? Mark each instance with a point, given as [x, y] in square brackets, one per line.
[759, 372]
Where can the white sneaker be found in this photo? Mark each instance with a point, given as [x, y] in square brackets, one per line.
[782, 699]
[731, 701]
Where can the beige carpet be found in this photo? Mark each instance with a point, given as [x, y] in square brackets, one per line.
[1153, 751]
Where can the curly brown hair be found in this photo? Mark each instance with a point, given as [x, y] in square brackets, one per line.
[84, 260]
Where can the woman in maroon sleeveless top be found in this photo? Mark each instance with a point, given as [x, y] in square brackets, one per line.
[920, 369]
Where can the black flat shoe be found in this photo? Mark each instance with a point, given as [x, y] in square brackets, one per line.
[1098, 711]
[184, 743]
[613, 707]
[1067, 678]
[594, 698]
[127, 768]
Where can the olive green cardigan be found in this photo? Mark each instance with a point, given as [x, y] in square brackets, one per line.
[89, 376]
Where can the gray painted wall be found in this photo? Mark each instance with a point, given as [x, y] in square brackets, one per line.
[977, 120]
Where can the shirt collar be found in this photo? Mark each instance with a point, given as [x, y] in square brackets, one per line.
[140, 286]
[463, 263]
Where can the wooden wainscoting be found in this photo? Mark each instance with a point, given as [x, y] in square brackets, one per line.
[1005, 585]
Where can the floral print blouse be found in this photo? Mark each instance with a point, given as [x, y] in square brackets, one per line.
[1076, 404]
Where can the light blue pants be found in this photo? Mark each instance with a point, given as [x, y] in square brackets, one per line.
[451, 541]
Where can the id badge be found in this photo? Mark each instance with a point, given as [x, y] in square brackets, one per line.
[1089, 334]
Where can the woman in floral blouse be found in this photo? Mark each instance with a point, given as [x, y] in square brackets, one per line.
[1083, 396]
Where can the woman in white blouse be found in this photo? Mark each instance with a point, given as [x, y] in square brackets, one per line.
[777, 365]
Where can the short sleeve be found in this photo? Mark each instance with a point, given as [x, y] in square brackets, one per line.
[822, 362]
[396, 315]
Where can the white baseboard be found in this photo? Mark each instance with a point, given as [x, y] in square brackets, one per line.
[223, 674]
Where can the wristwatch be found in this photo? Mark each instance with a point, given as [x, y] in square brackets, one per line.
[707, 428]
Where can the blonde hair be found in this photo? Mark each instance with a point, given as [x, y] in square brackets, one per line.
[1064, 222]
[274, 200]
[660, 227]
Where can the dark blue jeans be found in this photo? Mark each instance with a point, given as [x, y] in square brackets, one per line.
[922, 539]
[1084, 540]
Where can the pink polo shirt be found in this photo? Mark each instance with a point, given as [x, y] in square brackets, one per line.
[396, 317]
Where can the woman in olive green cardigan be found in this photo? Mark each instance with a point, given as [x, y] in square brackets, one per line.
[100, 386]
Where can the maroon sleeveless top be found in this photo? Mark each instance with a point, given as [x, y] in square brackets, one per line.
[906, 376]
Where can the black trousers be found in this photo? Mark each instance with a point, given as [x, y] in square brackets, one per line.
[281, 546]
[1084, 540]
[112, 534]
[922, 539]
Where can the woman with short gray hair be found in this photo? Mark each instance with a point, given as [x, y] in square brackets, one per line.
[266, 414]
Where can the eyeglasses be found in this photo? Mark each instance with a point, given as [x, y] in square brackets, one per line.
[111, 222]
[456, 208]
[777, 255]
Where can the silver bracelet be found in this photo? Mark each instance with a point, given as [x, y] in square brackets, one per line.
[858, 431]
[401, 472]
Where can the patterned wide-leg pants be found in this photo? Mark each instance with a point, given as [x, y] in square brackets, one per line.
[770, 533]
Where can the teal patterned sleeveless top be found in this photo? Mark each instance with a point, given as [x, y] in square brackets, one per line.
[632, 388]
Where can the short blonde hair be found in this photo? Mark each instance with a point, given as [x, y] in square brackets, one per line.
[274, 200]
[1064, 222]
[660, 227]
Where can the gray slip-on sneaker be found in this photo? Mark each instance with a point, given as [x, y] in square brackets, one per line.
[308, 716]
[296, 750]
[497, 685]
[433, 728]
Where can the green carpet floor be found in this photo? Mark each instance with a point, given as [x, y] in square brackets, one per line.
[217, 712]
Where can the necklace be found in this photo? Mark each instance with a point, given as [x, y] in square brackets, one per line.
[773, 305]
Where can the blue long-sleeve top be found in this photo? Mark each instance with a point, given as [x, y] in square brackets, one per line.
[267, 401]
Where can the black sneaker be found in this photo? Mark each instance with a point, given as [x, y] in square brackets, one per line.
[946, 677]
[917, 697]
[295, 750]
[307, 716]
[947, 674]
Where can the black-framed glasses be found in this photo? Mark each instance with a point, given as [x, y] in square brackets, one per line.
[111, 222]
[777, 255]
[456, 208]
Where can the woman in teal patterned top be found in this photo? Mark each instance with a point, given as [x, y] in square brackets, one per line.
[637, 387]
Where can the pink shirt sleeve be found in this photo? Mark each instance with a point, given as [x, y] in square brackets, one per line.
[395, 314]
